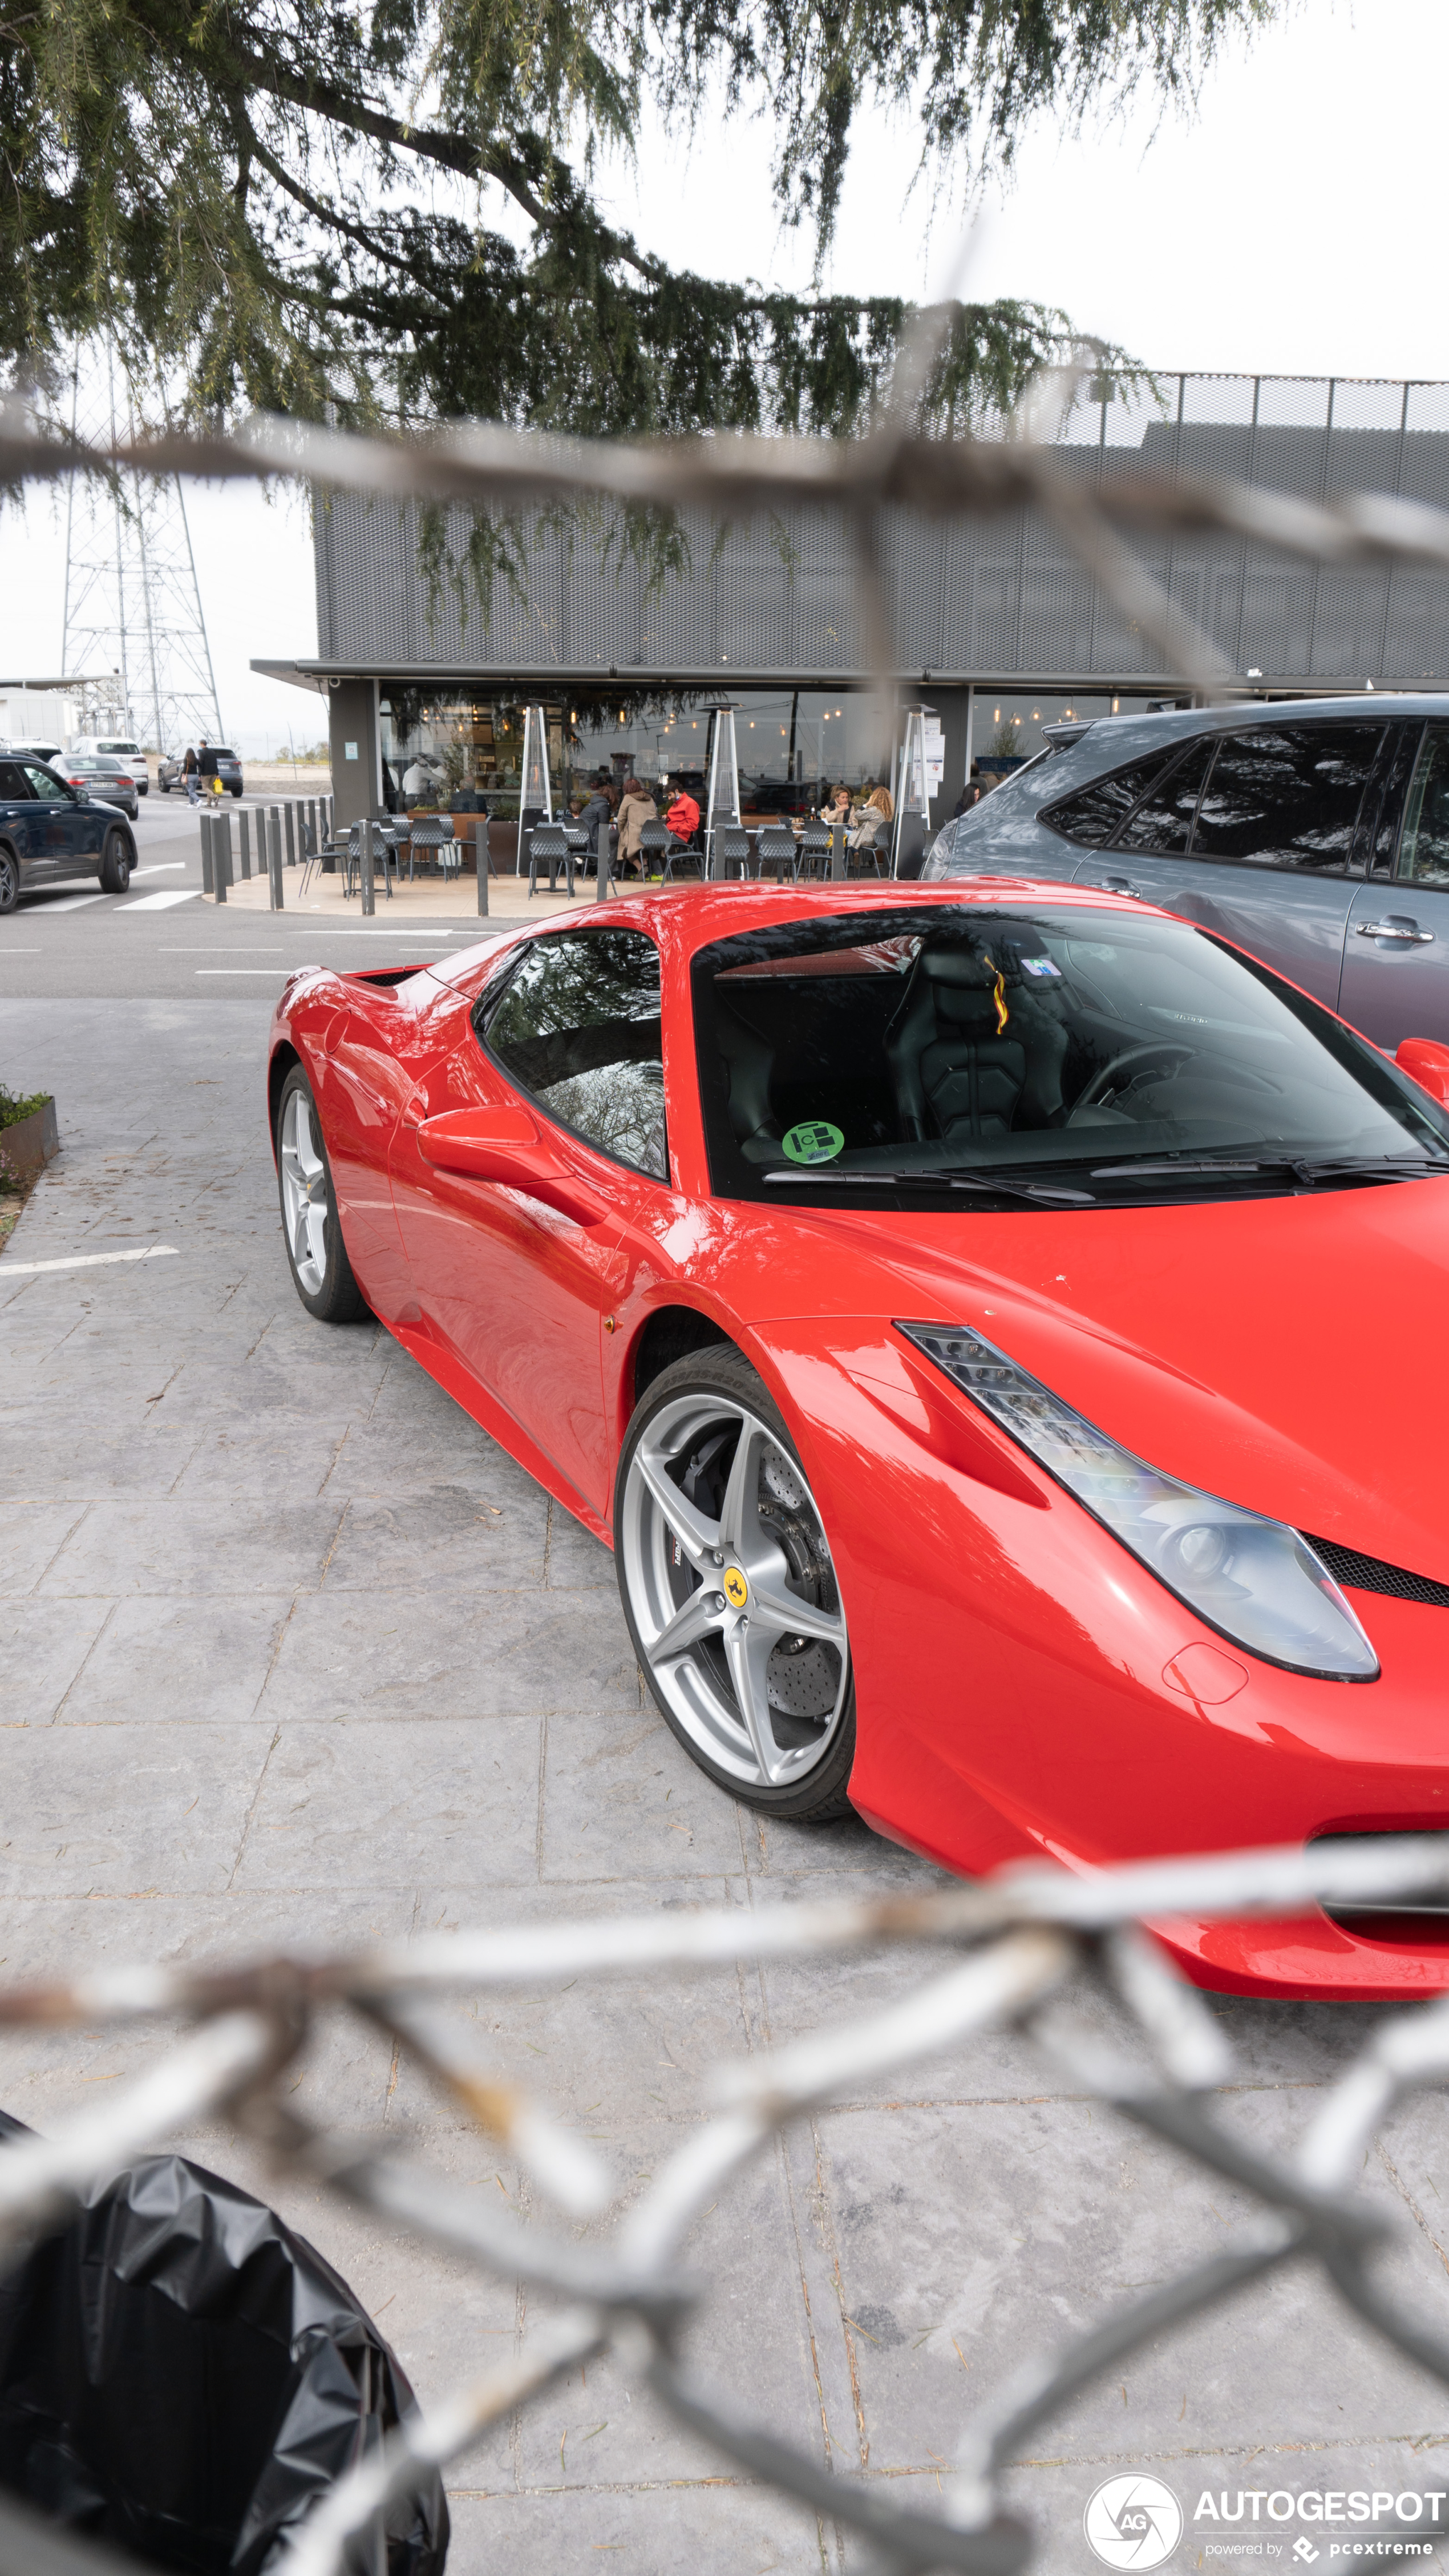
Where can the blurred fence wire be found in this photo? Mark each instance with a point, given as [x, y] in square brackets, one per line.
[1033, 1948]
[491, 469]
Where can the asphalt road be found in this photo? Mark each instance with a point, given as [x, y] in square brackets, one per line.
[160, 942]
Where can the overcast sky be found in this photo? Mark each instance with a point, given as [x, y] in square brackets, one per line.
[1291, 225]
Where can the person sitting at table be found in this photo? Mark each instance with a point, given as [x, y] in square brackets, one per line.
[682, 818]
[873, 818]
[636, 807]
[835, 806]
[594, 816]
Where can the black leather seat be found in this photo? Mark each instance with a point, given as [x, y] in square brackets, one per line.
[957, 1071]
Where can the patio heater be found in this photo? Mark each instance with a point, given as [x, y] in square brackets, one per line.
[913, 804]
[535, 801]
[723, 799]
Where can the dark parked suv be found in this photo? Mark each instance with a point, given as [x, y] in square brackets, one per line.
[1314, 833]
[50, 832]
[218, 764]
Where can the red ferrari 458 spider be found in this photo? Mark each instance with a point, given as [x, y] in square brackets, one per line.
[994, 1328]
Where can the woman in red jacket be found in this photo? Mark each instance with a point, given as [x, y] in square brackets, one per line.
[682, 818]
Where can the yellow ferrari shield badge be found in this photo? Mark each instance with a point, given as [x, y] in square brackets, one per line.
[736, 1590]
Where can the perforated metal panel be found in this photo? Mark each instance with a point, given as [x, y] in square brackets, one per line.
[995, 599]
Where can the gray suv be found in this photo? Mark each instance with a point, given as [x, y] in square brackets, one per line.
[1314, 833]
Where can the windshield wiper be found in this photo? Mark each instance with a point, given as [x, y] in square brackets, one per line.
[946, 1178]
[1304, 1168]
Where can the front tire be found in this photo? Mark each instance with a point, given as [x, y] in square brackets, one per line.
[728, 1587]
[115, 864]
[9, 881]
[321, 1272]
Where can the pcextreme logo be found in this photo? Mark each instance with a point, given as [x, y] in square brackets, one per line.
[1132, 2521]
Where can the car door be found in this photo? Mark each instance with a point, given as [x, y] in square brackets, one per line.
[17, 812]
[1395, 981]
[65, 835]
[515, 1281]
[1256, 834]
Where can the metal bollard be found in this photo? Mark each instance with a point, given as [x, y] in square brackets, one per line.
[244, 860]
[244, 831]
[274, 869]
[480, 852]
[369, 904]
[601, 878]
[289, 817]
[837, 851]
[208, 879]
[220, 857]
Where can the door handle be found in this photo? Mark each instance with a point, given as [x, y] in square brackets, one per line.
[1395, 930]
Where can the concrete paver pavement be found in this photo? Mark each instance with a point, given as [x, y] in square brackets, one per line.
[291, 1652]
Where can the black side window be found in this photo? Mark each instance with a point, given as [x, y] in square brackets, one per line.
[12, 783]
[1288, 797]
[1424, 843]
[46, 786]
[1164, 819]
[1094, 815]
[577, 1027]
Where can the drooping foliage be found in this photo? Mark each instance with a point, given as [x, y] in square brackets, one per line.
[308, 207]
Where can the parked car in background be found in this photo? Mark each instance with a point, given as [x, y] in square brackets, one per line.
[95, 746]
[30, 751]
[109, 782]
[1314, 833]
[50, 831]
[221, 764]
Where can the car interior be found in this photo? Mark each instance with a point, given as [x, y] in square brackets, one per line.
[966, 1040]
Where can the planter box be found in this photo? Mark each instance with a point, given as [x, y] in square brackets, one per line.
[28, 1146]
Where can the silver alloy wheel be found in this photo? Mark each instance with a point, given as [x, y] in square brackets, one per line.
[304, 1193]
[733, 1592]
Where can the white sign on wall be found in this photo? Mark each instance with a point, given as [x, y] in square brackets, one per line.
[935, 755]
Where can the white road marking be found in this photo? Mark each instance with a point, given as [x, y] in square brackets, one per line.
[306, 969]
[159, 868]
[88, 1260]
[74, 902]
[163, 902]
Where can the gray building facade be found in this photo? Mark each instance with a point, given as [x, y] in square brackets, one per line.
[997, 627]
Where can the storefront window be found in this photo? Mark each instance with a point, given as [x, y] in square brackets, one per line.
[1008, 727]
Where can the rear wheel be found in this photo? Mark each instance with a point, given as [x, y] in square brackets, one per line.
[321, 1271]
[115, 864]
[729, 1591]
[9, 881]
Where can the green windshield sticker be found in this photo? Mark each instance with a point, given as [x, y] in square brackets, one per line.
[815, 1141]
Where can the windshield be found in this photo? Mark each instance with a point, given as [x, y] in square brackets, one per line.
[879, 1057]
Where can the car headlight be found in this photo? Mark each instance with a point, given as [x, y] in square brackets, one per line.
[1251, 1578]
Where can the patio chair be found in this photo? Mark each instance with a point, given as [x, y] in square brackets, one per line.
[815, 850]
[732, 856]
[656, 841]
[383, 855]
[775, 849]
[549, 848]
[435, 832]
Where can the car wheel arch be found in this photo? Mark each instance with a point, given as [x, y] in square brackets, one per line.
[667, 1333]
[284, 1056]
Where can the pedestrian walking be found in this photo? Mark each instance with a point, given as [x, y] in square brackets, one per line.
[189, 775]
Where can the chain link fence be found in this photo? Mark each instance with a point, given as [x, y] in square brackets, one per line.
[1026, 1949]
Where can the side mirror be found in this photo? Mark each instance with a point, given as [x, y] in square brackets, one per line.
[1426, 1062]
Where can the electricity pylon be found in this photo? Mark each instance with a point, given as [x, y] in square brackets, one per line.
[133, 626]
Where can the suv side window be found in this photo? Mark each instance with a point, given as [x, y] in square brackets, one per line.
[13, 789]
[1163, 821]
[1094, 815]
[1287, 797]
[577, 1026]
[1424, 841]
[46, 786]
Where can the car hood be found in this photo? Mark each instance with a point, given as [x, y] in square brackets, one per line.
[1284, 1354]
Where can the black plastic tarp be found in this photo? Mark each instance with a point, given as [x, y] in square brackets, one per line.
[183, 2376]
